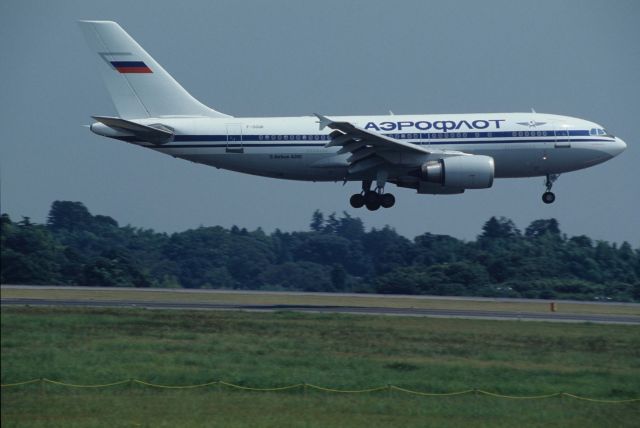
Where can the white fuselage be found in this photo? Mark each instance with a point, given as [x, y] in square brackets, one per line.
[521, 144]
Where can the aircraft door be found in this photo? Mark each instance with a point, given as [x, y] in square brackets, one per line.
[563, 140]
[234, 138]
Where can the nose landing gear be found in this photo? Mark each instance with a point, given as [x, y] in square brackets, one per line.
[372, 199]
[548, 197]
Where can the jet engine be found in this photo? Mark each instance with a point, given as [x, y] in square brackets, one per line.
[459, 172]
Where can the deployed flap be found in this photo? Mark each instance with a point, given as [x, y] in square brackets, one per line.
[158, 134]
[369, 150]
[379, 141]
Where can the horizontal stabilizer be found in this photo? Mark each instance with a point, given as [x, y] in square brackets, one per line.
[157, 134]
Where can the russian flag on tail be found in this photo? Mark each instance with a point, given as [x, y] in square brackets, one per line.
[131, 67]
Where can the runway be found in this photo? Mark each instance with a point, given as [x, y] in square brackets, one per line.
[415, 312]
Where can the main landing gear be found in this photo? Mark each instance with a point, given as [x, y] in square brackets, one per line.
[372, 199]
[548, 197]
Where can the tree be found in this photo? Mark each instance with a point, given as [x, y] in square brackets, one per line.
[338, 253]
[306, 276]
[68, 215]
[542, 227]
[317, 221]
[387, 250]
[338, 277]
[349, 227]
[30, 254]
[430, 249]
[636, 291]
[113, 269]
[499, 228]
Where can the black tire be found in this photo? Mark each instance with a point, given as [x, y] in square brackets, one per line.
[373, 206]
[548, 197]
[357, 200]
[371, 198]
[387, 200]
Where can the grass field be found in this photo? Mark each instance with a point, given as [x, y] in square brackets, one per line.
[94, 346]
[253, 298]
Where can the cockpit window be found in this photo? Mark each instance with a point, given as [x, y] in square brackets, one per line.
[599, 131]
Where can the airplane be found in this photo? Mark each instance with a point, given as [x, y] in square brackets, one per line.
[433, 154]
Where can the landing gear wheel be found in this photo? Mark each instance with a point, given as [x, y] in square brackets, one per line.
[357, 200]
[371, 198]
[548, 197]
[387, 200]
[373, 206]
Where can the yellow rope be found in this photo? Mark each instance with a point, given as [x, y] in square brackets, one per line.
[346, 391]
[514, 397]
[595, 400]
[104, 385]
[321, 388]
[6, 385]
[154, 385]
[281, 388]
[431, 394]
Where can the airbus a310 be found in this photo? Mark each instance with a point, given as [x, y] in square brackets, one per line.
[433, 154]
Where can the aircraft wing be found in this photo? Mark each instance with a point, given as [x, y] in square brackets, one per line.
[368, 149]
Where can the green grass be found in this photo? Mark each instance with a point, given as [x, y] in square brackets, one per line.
[93, 346]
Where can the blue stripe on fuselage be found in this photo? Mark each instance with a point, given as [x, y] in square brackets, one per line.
[550, 135]
[294, 143]
[319, 140]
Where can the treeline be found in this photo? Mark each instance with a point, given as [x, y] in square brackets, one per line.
[75, 247]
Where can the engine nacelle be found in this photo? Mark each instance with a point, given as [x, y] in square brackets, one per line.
[460, 172]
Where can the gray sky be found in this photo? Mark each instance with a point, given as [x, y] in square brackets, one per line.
[576, 58]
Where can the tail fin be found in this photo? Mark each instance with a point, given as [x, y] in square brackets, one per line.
[138, 85]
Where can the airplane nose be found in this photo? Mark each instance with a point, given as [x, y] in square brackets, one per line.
[617, 147]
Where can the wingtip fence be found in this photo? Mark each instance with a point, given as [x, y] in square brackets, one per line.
[308, 386]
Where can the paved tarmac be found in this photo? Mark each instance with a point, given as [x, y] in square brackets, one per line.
[416, 312]
[307, 293]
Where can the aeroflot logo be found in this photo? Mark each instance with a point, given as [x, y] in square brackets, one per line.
[440, 125]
